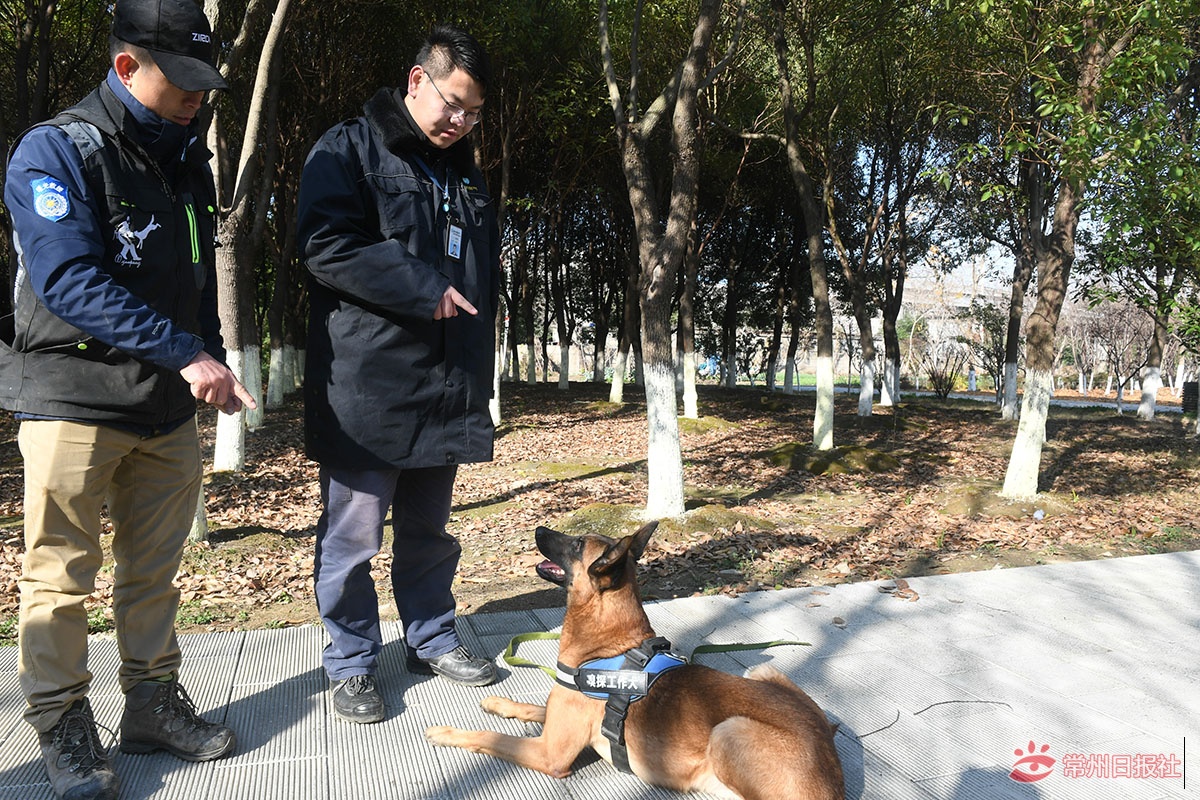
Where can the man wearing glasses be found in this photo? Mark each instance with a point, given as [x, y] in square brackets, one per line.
[399, 235]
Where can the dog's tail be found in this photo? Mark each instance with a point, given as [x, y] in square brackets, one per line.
[768, 674]
[765, 672]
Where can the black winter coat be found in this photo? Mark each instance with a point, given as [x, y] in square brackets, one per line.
[387, 386]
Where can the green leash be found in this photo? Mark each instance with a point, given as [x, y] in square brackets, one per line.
[513, 660]
[510, 652]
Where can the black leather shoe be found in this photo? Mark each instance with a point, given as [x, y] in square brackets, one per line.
[458, 665]
[357, 699]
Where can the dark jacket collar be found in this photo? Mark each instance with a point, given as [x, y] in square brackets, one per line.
[164, 140]
[387, 115]
[104, 109]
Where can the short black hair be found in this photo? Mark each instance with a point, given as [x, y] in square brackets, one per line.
[117, 46]
[449, 48]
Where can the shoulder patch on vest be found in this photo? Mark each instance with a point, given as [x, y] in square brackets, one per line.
[50, 198]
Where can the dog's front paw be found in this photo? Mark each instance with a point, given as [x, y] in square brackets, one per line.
[508, 709]
[497, 706]
[441, 735]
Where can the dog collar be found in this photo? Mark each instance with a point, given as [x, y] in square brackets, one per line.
[619, 681]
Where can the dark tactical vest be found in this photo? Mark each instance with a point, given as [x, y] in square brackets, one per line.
[159, 242]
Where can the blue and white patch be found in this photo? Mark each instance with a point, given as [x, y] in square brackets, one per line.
[50, 199]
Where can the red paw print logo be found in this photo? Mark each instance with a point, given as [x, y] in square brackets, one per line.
[1033, 765]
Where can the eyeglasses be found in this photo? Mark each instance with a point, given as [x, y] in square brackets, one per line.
[456, 114]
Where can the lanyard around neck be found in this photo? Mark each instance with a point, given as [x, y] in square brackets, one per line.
[443, 188]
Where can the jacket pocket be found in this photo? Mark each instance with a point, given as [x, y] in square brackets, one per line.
[401, 204]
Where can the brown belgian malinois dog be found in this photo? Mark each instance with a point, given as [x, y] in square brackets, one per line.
[678, 725]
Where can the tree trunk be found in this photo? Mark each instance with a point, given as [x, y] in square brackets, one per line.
[1022, 275]
[889, 384]
[498, 367]
[777, 320]
[630, 328]
[687, 327]
[794, 313]
[1152, 372]
[234, 259]
[525, 300]
[662, 254]
[199, 531]
[281, 376]
[558, 296]
[1055, 255]
[729, 320]
[814, 224]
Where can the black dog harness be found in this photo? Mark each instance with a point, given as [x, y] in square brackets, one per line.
[619, 681]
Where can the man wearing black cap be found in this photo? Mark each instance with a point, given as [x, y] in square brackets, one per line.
[114, 338]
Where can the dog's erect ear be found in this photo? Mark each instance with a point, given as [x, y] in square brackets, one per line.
[614, 557]
[642, 538]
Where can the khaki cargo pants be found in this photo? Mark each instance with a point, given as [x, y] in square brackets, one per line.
[150, 486]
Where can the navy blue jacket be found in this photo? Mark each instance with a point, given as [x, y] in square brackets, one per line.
[115, 292]
[387, 386]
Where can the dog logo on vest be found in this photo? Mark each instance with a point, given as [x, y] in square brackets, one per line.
[131, 242]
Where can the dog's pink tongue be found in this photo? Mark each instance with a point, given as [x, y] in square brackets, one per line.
[549, 569]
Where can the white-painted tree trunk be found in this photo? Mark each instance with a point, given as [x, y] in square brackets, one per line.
[564, 366]
[298, 369]
[1010, 410]
[199, 531]
[616, 390]
[889, 384]
[1082, 383]
[252, 380]
[866, 388]
[664, 495]
[1021, 479]
[526, 357]
[1180, 377]
[1151, 381]
[691, 404]
[229, 451]
[281, 379]
[823, 417]
[972, 380]
[494, 402]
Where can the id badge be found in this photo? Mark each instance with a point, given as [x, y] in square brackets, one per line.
[454, 237]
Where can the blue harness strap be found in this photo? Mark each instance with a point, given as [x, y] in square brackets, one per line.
[619, 681]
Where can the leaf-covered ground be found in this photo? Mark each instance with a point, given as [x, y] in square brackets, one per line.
[909, 491]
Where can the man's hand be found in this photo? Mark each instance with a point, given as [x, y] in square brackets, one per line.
[214, 383]
[450, 303]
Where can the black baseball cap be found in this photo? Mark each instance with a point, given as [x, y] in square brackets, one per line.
[177, 34]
